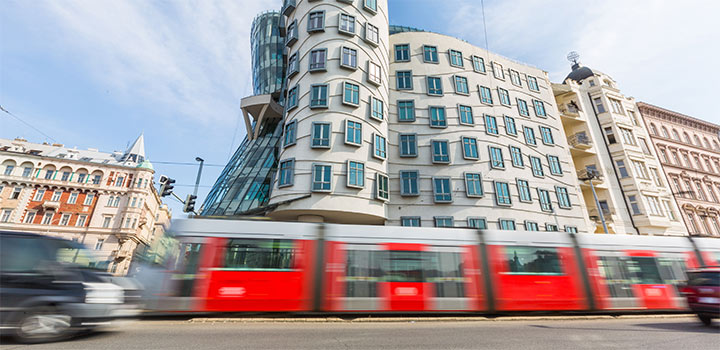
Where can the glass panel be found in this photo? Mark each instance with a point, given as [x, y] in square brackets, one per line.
[533, 260]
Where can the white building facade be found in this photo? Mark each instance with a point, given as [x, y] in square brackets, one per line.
[395, 126]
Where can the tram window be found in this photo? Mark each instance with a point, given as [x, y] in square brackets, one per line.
[404, 266]
[644, 270]
[617, 276]
[259, 254]
[445, 270]
[533, 260]
[672, 270]
[362, 273]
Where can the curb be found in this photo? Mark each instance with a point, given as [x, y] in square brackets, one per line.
[430, 319]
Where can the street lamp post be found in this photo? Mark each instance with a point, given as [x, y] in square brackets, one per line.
[590, 176]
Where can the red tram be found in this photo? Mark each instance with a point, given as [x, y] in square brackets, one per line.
[235, 266]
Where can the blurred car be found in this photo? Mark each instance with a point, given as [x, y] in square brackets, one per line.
[51, 288]
[703, 293]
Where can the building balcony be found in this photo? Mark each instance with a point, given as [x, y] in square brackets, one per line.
[51, 205]
[607, 215]
[590, 173]
[122, 254]
[580, 140]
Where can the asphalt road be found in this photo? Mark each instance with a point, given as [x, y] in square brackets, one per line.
[647, 333]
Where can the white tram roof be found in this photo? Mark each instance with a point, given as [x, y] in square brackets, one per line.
[712, 244]
[634, 242]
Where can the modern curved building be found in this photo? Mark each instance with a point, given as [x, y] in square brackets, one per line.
[397, 126]
[244, 185]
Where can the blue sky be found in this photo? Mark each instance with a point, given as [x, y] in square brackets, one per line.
[98, 73]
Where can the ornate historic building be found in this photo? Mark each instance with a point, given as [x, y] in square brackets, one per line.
[106, 201]
[689, 151]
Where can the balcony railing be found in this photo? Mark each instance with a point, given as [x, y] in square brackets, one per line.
[55, 205]
[580, 140]
[590, 172]
[595, 214]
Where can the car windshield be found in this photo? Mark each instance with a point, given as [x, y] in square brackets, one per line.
[704, 278]
[76, 254]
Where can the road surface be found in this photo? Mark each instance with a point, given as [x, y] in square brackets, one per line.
[638, 333]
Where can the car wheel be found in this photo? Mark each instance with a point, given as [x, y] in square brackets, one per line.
[705, 319]
[43, 324]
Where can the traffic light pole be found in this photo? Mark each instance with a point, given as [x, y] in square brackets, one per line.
[197, 180]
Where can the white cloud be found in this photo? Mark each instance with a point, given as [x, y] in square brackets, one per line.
[658, 51]
[190, 58]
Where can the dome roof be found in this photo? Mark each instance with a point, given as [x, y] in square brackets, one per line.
[146, 165]
[579, 73]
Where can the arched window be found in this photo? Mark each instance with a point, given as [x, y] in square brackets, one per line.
[707, 143]
[676, 136]
[697, 141]
[653, 129]
[687, 138]
[715, 145]
[665, 132]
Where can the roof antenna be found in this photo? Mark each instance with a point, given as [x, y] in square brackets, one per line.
[574, 57]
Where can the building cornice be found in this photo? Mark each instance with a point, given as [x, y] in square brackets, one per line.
[653, 111]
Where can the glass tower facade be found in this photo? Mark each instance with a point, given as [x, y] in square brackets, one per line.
[245, 182]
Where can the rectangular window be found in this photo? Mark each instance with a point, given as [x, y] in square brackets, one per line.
[563, 197]
[258, 255]
[640, 170]
[292, 98]
[496, 158]
[515, 78]
[320, 135]
[670, 211]
[444, 221]
[545, 202]
[478, 223]
[654, 205]
[380, 146]
[478, 64]
[461, 85]
[319, 96]
[349, 58]
[434, 86]
[353, 133]
[15, 193]
[382, 184]
[437, 117]
[293, 64]
[56, 196]
[409, 183]
[473, 185]
[532, 83]
[498, 71]
[347, 24]
[406, 110]
[536, 165]
[646, 149]
[47, 218]
[410, 221]
[402, 53]
[403, 80]
[531, 226]
[504, 96]
[65, 219]
[470, 148]
[491, 125]
[27, 171]
[370, 5]
[73, 198]
[621, 169]
[290, 132]
[502, 193]
[551, 227]
[524, 191]
[89, 199]
[372, 34]
[81, 220]
[99, 244]
[106, 221]
[529, 135]
[9, 170]
[507, 224]
[628, 137]
[456, 59]
[539, 108]
[318, 60]
[39, 195]
[287, 173]
[634, 205]
[442, 190]
[408, 145]
[322, 176]
[6, 215]
[356, 174]
[522, 107]
[440, 153]
[30, 217]
[374, 73]
[96, 179]
[120, 181]
[65, 175]
[616, 106]
[554, 164]
[351, 94]
[516, 156]
[547, 136]
[49, 174]
[571, 229]
[430, 54]
[316, 21]
[377, 108]
[485, 95]
[599, 105]
[292, 33]
[466, 115]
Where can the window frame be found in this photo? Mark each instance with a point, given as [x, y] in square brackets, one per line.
[496, 163]
[514, 77]
[504, 93]
[291, 126]
[522, 107]
[313, 135]
[414, 153]
[395, 52]
[485, 99]
[497, 196]
[340, 26]
[443, 120]
[498, 73]
[345, 90]
[313, 181]
[435, 189]
[436, 220]
[463, 80]
[312, 96]
[375, 146]
[467, 184]
[321, 28]
[428, 79]
[293, 66]
[403, 218]
[360, 176]
[530, 141]
[450, 56]
[425, 51]
[374, 102]
[461, 114]
[292, 92]
[473, 143]
[375, 79]
[491, 121]
[398, 78]
[481, 220]
[507, 118]
[347, 127]
[416, 181]
[281, 184]
[524, 190]
[412, 109]
[545, 206]
[537, 171]
[535, 84]
[342, 58]
[379, 180]
[546, 131]
[566, 196]
[521, 162]
[482, 64]
[433, 155]
[368, 31]
[556, 161]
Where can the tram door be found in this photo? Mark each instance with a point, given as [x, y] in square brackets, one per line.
[618, 280]
[188, 264]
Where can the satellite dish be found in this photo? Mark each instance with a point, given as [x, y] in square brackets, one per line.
[573, 57]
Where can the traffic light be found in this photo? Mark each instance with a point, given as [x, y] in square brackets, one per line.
[166, 187]
[189, 204]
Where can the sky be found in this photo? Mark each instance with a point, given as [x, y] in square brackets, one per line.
[96, 74]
